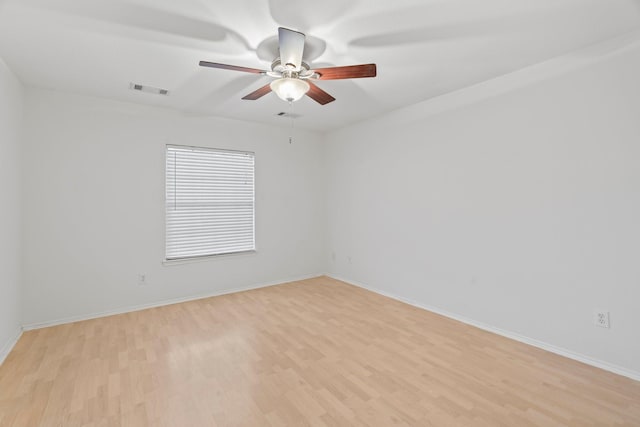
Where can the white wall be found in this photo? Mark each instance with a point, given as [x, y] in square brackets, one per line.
[520, 211]
[10, 208]
[94, 206]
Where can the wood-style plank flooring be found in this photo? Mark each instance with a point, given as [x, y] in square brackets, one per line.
[311, 353]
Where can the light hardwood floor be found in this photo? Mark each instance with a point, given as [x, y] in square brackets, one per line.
[317, 352]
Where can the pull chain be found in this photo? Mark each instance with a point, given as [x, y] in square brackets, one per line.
[291, 117]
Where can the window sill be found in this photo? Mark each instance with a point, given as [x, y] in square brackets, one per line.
[180, 261]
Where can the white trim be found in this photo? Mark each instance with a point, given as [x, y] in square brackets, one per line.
[8, 346]
[39, 325]
[634, 375]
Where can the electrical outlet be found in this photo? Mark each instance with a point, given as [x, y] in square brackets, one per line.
[601, 318]
[333, 256]
[349, 259]
[142, 279]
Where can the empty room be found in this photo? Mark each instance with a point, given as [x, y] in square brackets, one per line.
[346, 213]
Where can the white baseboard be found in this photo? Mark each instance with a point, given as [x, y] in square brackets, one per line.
[508, 334]
[129, 309]
[8, 346]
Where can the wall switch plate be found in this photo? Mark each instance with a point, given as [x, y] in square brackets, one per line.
[601, 318]
[142, 279]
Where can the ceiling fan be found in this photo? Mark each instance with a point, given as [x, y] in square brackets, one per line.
[293, 76]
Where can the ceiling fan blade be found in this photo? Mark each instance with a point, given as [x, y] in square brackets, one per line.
[319, 95]
[291, 47]
[231, 67]
[258, 93]
[347, 72]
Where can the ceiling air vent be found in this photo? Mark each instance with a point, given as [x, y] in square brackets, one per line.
[148, 89]
[289, 115]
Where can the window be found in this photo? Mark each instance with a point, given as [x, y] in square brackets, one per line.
[209, 202]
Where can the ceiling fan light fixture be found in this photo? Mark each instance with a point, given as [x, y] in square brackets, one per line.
[290, 89]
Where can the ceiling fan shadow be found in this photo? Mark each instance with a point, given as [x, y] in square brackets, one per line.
[505, 22]
[140, 17]
[307, 15]
[231, 90]
[429, 34]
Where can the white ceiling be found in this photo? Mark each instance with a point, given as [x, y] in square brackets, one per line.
[423, 48]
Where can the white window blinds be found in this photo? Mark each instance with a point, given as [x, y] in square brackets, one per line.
[209, 202]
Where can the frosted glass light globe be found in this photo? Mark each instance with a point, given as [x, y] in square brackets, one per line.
[289, 89]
